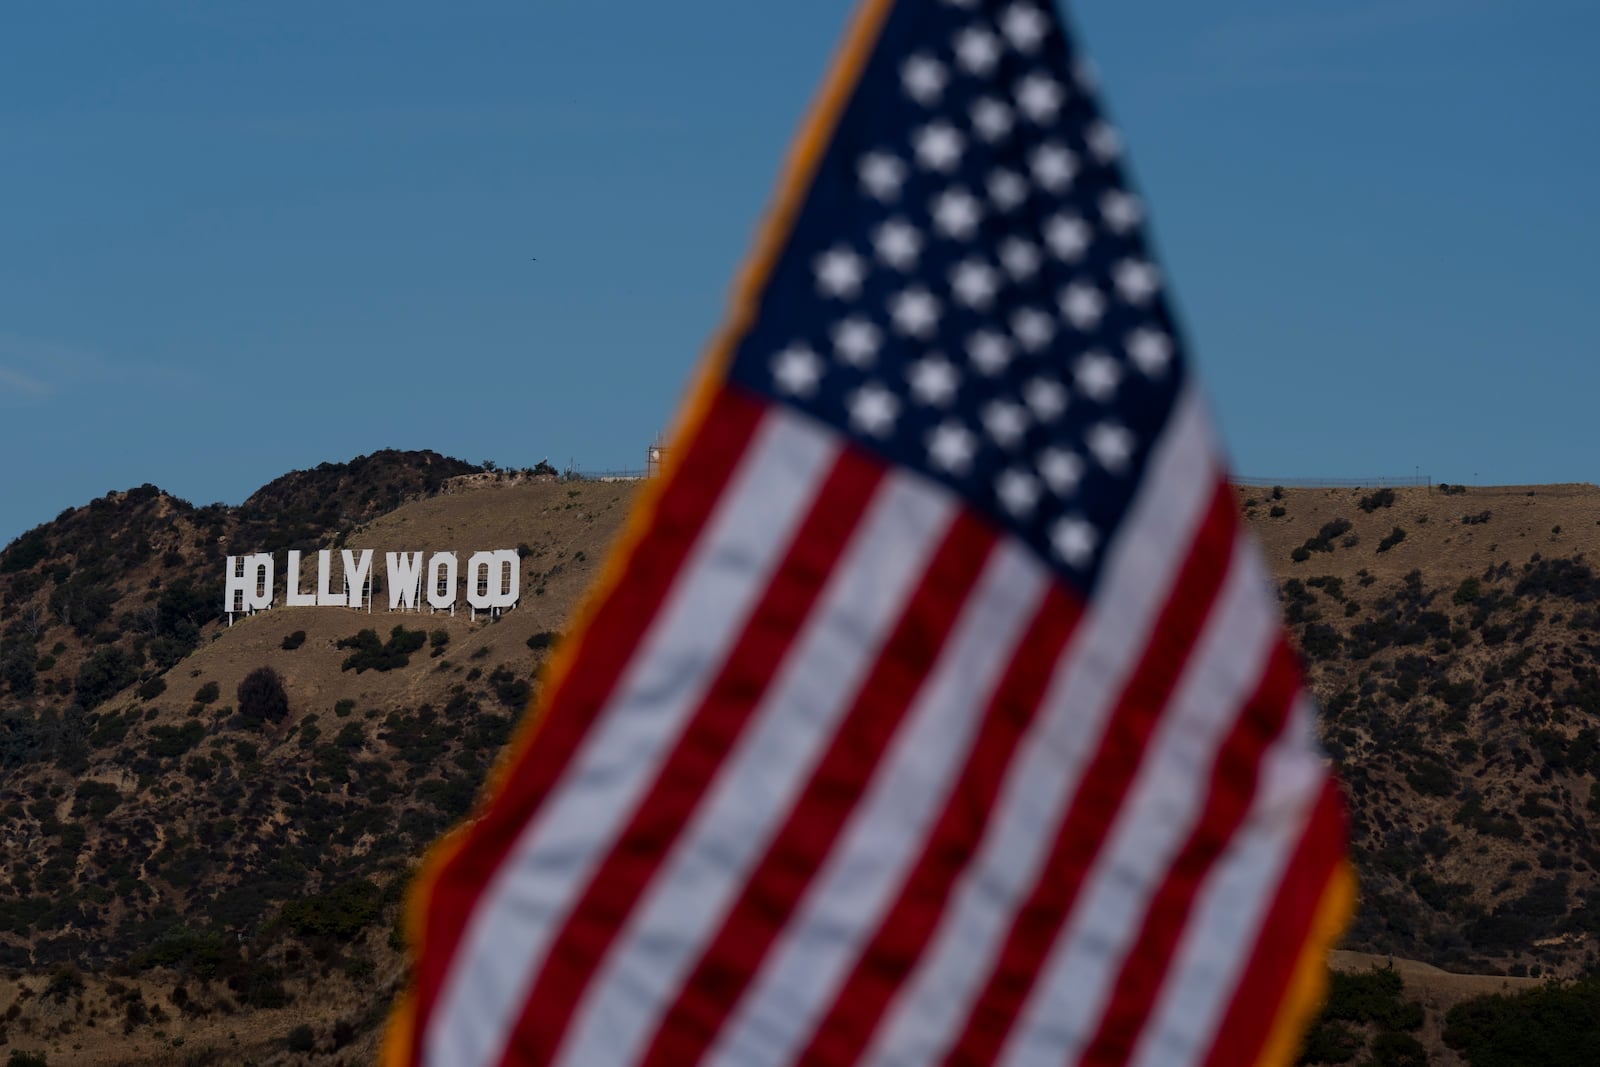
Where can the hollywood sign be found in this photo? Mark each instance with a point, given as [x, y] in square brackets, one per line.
[493, 580]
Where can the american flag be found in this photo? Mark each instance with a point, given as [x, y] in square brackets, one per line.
[935, 709]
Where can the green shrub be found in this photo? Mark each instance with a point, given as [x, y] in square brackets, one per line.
[1372, 996]
[262, 697]
[207, 693]
[107, 672]
[95, 799]
[294, 640]
[1383, 498]
[152, 688]
[542, 640]
[19, 1058]
[24, 552]
[509, 689]
[1395, 537]
[1555, 1025]
[371, 653]
[340, 913]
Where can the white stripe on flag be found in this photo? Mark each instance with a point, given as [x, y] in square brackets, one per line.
[528, 898]
[758, 780]
[1235, 898]
[1140, 568]
[886, 832]
[1163, 804]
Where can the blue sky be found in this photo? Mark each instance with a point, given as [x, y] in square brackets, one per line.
[238, 238]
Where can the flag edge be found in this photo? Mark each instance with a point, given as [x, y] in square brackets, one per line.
[1307, 988]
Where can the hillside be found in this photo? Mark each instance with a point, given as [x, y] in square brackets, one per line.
[178, 870]
[186, 877]
[1451, 636]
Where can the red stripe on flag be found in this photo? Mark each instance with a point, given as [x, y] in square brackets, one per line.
[636, 854]
[1234, 779]
[1284, 935]
[778, 881]
[1098, 798]
[696, 484]
[847, 1025]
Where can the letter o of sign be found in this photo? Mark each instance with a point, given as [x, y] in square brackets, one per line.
[442, 580]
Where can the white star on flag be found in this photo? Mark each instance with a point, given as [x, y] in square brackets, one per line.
[956, 214]
[1019, 258]
[1040, 98]
[1033, 328]
[1074, 540]
[797, 370]
[974, 283]
[1005, 421]
[1083, 305]
[1105, 142]
[991, 118]
[1150, 350]
[1046, 398]
[1120, 210]
[977, 51]
[1097, 375]
[1068, 237]
[989, 352]
[915, 312]
[898, 244]
[1136, 280]
[1112, 445]
[1062, 470]
[873, 409]
[857, 341]
[1018, 491]
[951, 447]
[934, 381]
[938, 146]
[924, 79]
[1024, 26]
[840, 273]
[882, 175]
[1007, 189]
[1053, 166]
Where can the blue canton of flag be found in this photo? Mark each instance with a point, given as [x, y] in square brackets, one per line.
[967, 290]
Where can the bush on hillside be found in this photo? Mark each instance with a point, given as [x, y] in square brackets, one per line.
[294, 640]
[1554, 1024]
[262, 697]
[340, 913]
[105, 673]
[371, 653]
[1383, 498]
